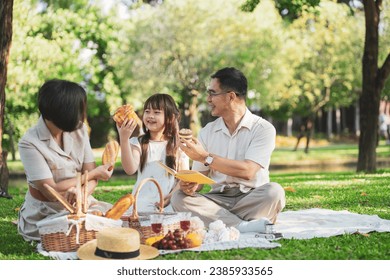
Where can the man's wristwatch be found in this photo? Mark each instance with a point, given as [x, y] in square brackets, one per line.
[209, 160]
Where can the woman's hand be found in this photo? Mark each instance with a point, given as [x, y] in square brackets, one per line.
[71, 196]
[102, 172]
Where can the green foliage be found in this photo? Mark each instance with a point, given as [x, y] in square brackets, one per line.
[177, 53]
[292, 67]
[287, 8]
[61, 43]
[331, 80]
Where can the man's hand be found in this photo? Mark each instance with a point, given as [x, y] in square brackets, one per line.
[188, 188]
[193, 149]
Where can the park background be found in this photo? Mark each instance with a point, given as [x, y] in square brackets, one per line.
[304, 61]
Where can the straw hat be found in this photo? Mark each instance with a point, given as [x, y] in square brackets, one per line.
[116, 243]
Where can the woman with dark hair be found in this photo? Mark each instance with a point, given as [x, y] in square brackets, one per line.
[160, 142]
[54, 151]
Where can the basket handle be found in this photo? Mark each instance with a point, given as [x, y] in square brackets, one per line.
[141, 184]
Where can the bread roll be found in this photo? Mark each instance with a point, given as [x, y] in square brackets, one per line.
[185, 133]
[126, 112]
[110, 153]
[120, 207]
[97, 213]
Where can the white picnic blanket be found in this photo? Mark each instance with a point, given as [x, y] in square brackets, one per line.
[301, 224]
[316, 222]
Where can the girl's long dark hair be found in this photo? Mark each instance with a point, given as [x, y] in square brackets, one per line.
[165, 103]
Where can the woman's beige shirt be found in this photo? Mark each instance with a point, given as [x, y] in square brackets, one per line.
[43, 158]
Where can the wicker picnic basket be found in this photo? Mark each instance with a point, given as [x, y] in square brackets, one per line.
[140, 221]
[67, 232]
[68, 241]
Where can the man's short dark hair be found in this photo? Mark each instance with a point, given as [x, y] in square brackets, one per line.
[232, 79]
[64, 103]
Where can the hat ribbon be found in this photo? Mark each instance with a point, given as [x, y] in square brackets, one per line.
[116, 255]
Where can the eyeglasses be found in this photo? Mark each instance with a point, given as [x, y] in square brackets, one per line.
[212, 93]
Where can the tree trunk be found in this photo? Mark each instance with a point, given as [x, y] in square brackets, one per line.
[369, 100]
[4, 175]
[329, 124]
[193, 113]
[338, 122]
[5, 43]
[357, 119]
[289, 127]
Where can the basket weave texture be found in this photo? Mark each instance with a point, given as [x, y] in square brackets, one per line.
[61, 242]
[140, 221]
[66, 233]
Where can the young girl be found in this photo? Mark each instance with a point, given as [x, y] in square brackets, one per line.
[160, 142]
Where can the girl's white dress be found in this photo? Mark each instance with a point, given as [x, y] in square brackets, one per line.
[148, 194]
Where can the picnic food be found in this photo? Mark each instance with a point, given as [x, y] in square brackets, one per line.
[97, 213]
[174, 241]
[195, 238]
[185, 133]
[120, 207]
[110, 153]
[126, 112]
[151, 240]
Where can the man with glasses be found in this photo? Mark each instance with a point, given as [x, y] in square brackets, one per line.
[234, 150]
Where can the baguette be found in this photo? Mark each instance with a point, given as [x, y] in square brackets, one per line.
[120, 207]
[126, 112]
[110, 153]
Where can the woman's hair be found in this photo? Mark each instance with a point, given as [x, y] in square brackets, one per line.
[64, 103]
[165, 103]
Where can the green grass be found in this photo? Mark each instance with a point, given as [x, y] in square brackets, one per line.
[347, 190]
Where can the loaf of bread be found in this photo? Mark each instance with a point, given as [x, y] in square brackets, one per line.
[126, 112]
[120, 207]
[97, 213]
[185, 133]
[110, 153]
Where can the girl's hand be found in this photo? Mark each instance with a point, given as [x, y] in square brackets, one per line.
[127, 129]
